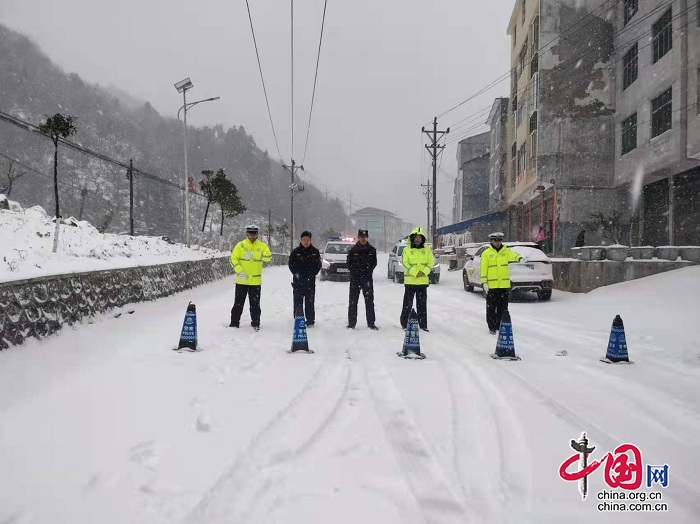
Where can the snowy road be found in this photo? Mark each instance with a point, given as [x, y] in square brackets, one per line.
[103, 423]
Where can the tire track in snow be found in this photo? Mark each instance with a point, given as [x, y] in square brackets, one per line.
[683, 494]
[514, 468]
[430, 486]
[242, 486]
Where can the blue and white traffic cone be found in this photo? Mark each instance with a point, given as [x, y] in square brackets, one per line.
[188, 335]
[505, 346]
[411, 343]
[617, 345]
[300, 341]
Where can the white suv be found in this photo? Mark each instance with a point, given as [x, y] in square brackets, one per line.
[334, 263]
[395, 268]
[536, 275]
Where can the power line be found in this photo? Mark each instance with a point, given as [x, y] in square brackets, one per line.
[574, 60]
[35, 129]
[313, 94]
[504, 76]
[257, 54]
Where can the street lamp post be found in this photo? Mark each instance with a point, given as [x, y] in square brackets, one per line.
[182, 87]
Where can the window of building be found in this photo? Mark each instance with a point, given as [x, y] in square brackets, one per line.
[533, 122]
[522, 59]
[630, 68]
[629, 134]
[697, 105]
[662, 37]
[522, 11]
[535, 46]
[661, 113]
[631, 7]
[533, 149]
[520, 115]
[513, 165]
[522, 158]
[534, 93]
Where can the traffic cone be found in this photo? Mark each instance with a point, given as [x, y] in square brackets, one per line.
[505, 346]
[411, 343]
[617, 345]
[300, 341]
[188, 335]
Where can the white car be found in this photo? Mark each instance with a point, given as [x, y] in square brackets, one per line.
[535, 275]
[334, 259]
[395, 268]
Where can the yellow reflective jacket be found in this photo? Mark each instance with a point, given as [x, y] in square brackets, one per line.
[417, 260]
[249, 272]
[494, 266]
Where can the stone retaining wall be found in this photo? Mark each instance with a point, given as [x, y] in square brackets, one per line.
[38, 307]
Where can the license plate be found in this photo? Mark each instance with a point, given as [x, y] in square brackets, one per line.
[530, 266]
[342, 270]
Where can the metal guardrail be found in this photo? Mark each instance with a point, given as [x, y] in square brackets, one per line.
[39, 307]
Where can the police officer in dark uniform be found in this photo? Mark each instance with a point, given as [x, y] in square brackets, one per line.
[305, 263]
[362, 259]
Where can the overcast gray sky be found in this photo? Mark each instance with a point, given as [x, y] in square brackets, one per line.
[387, 68]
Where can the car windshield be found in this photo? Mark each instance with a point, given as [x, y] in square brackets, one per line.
[338, 249]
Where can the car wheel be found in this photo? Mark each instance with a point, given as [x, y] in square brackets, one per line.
[467, 286]
[388, 273]
[398, 279]
[435, 279]
[544, 295]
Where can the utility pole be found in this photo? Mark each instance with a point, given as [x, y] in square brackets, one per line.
[433, 149]
[83, 194]
[293, 187]
[428, 196]
[269, 226]
[130, 177]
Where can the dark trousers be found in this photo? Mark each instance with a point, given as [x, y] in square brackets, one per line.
[496, 305]
[421, 294]
[253, 293]
[304, 300]
[367, 287]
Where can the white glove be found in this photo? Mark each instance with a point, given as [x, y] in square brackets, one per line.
[248, 255]
[524, 260]
[243, 275]
[486, 287]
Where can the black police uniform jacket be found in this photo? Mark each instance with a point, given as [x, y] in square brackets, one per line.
[305, 263]
[361, 262]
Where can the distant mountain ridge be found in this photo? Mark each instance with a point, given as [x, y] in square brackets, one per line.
[32, 87]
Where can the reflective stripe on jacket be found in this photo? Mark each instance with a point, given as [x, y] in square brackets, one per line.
[252, 268]
[416, 260]
[494, 266]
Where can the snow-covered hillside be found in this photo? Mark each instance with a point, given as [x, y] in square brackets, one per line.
[26, 239]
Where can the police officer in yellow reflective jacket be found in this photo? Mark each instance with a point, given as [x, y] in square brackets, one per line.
[495, 278]
[418, 262]
[247, 260]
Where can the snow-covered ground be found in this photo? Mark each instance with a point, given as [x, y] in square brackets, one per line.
[105, 423]
[26, 241]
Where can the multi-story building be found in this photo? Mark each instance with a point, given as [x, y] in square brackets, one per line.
[657, 147]
[498, 160]
[473, 175]
[384, 227]
[561, 117]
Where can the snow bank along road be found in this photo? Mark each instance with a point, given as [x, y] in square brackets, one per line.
[104, 423]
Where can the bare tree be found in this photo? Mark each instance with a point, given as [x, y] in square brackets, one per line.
[12, 176]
